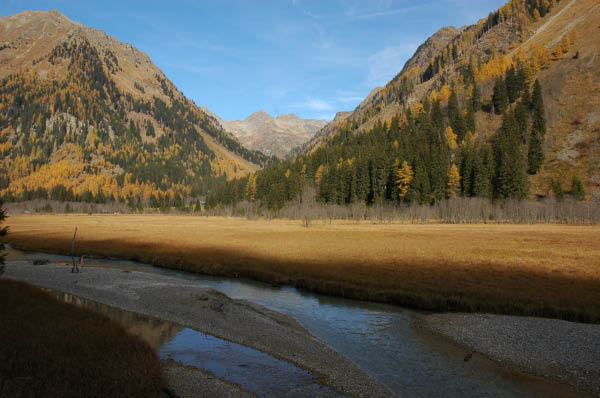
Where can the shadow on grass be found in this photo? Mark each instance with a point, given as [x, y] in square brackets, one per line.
[444, 286]
[54, 349]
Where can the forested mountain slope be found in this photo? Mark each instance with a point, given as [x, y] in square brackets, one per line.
[84, 116]
[505, 108]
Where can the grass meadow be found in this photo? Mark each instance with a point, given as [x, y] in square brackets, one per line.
[542, 270]
[54, 349]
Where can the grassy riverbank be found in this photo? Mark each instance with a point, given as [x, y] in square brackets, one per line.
[54, 349]
[544, 270]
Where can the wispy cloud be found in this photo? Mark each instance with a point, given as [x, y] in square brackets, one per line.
[313, 16]
[386, 13]
[314, 104]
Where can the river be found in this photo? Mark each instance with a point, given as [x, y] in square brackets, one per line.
[381, 339]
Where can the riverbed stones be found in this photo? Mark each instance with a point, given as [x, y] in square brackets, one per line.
[568, 352]
[209, 311]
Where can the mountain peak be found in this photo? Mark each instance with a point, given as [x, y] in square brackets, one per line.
[273, 136]
[431, 47]
[288, 116]
[260, 116]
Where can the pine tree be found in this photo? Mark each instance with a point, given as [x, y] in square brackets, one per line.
[522, 118]
[543, 9]
[470, 121]
[475, 98]
[522, 78]
[500, 96]
[512, 85]
[452, 103]
[420, 190]
[483, 172]
[556, 187]
[577, 191]
[455, 116]
[511, 178]
[3, 232]
[436, 118]
[537, 107]
[535, 153]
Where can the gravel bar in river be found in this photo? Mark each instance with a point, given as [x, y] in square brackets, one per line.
[568, 352]
[209, 311]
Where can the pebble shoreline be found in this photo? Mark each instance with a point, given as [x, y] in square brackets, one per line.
[209, 311]
[563, 351]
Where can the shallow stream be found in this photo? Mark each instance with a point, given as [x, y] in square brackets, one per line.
[381, 339]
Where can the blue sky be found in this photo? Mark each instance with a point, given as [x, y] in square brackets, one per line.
[311, 58]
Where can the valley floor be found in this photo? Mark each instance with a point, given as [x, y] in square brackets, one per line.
[540, 270]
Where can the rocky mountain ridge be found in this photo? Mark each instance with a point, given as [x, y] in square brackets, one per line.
[275, 136]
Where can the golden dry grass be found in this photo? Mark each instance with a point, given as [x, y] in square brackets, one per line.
[547, 270]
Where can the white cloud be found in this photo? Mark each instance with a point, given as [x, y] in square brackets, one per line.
[314, 104]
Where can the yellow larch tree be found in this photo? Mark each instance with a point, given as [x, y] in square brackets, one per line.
[251, 188]
[319, 175]
[444, 93]
[453, 181]
[451, 138]
[404, 177]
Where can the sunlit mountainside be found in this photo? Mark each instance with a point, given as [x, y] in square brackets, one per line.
[84, 116]
[505, 108]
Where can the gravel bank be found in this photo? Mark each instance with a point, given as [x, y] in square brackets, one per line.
[187, 382]
[564, 351]
[209, 311]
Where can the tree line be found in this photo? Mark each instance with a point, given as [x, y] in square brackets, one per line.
[424, 156]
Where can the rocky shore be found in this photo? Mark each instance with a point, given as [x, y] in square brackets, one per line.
[209, 311]
[566, 352]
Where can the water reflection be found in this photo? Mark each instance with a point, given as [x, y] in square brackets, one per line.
[253, 370]
[153, 331]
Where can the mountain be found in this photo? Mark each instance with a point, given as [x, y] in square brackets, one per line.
[421, 59]
[504, 108]
[512, 34]
[84, 116]
[273, 136]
